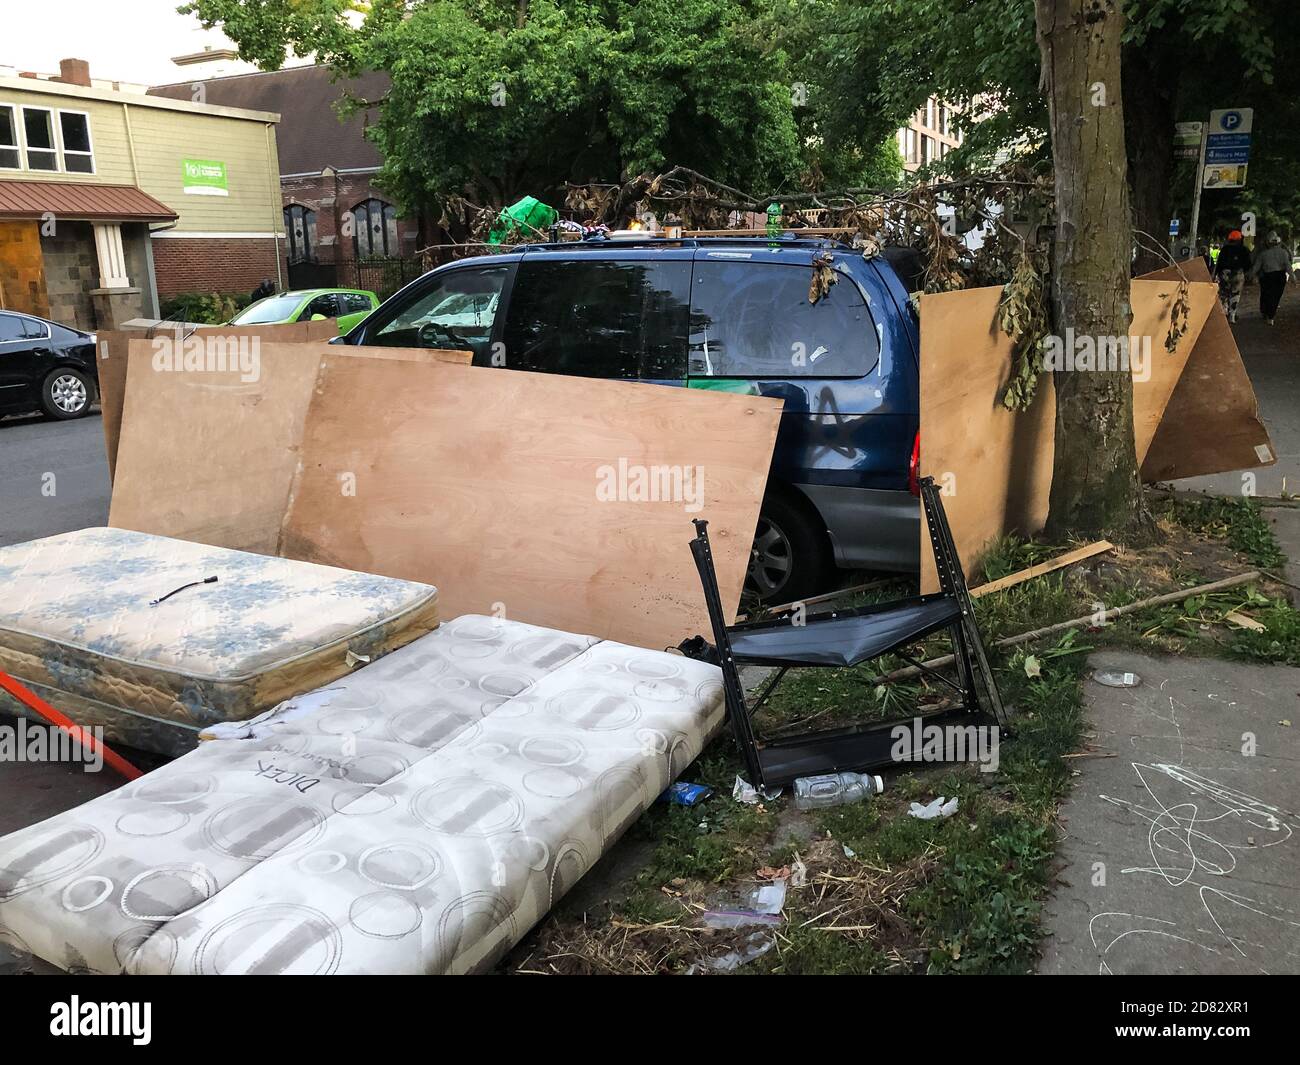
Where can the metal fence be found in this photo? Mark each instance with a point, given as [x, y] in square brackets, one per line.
[380, 276]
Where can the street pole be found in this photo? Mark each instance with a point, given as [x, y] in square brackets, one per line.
[1196, 196]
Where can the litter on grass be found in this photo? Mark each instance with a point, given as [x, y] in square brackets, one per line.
[940, 807]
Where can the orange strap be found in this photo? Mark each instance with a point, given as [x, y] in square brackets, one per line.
[34, 702]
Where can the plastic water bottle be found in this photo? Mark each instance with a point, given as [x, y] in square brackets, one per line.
[835, 789]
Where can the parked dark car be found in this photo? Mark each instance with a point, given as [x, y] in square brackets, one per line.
[45, 366]
[732, 314]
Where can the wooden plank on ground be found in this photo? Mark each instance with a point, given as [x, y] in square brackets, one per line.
[528, 495]
[209, 456]
[1050, 566]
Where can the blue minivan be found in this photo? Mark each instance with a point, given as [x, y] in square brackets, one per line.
[720, 313]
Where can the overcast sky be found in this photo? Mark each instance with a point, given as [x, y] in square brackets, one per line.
[123, 40]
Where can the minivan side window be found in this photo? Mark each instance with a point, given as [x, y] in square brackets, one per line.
[592, 318]
[755, 320]
[456, 311]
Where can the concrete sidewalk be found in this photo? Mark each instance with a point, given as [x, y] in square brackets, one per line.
[1272, 358]
[1180, 852]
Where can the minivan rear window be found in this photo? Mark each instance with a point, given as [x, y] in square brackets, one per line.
[593, 318]
[753, 319]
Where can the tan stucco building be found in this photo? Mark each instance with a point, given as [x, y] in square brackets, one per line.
[110, 200]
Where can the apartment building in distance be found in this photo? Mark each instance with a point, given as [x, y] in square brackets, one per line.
[111, 199]
[929, 135]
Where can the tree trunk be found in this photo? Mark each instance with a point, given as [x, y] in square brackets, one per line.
[1150, 73]
[1095, 487]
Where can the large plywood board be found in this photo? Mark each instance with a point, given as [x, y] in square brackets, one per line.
[516, 493]
[209, 456]
[1212, 422]
[996, 465]
[1153, 302]
[112, 350]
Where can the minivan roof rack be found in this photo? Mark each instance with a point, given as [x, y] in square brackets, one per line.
[785, 239]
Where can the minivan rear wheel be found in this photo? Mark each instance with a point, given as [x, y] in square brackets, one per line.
[790, 558]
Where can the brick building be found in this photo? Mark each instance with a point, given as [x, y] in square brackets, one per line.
[110, 200]
[334, 214]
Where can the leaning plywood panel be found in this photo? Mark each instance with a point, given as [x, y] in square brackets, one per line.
[1157, 373]
[209, 454]
[558, 501]
[1212, 422]
[993, 465]
[111, 355]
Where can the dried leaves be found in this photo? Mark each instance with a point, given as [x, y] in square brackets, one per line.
[1023, 315]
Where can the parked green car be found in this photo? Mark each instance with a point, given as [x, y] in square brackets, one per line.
[348, 305]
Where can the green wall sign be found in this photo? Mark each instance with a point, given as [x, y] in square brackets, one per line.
[204, 177]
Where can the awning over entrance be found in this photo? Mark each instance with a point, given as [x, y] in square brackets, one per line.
[80, 201]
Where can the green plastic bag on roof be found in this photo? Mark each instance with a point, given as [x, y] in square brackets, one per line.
[528, 219]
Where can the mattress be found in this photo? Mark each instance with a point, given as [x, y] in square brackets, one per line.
[417, 816]
[78, 627]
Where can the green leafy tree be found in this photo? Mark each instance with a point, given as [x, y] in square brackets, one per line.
[491, 101]
[1180, 58]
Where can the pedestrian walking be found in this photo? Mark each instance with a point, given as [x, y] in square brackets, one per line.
[1231, 268]
[1273, 268]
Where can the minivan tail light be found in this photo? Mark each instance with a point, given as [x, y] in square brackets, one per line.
[914, 467]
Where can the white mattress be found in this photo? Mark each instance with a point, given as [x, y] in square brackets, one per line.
[77, 626]
[418, 816]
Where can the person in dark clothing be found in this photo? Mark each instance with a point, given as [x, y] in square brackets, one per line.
[1204, 252]
[1273, 268]
[266, 288]
[1231, 268]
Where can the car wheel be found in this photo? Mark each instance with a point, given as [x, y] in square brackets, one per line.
[791, 556]
[66, 393]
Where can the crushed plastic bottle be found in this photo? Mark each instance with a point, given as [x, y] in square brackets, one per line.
[1116, 678]
[835, 789]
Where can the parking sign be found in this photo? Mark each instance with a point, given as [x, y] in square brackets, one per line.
[1227, 148]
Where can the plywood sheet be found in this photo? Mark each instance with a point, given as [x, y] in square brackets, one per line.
[1212, 422]
[208, 456]
[1153, 301]
[111, 356]
[516, 493]
[995, 465]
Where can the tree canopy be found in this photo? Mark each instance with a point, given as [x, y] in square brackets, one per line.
[496, 100]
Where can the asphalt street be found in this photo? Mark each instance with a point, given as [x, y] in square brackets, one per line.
[53, 477]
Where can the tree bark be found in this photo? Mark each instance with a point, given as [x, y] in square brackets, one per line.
[1096, 492]
[1150, 74]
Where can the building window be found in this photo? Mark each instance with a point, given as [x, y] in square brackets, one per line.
[38, 127]
[9, 158]
[374, 229]
[78, 157]
[300, 224]
[911, 145]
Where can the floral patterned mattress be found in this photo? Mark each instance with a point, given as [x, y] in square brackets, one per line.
[416, 816]
[78, 627]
